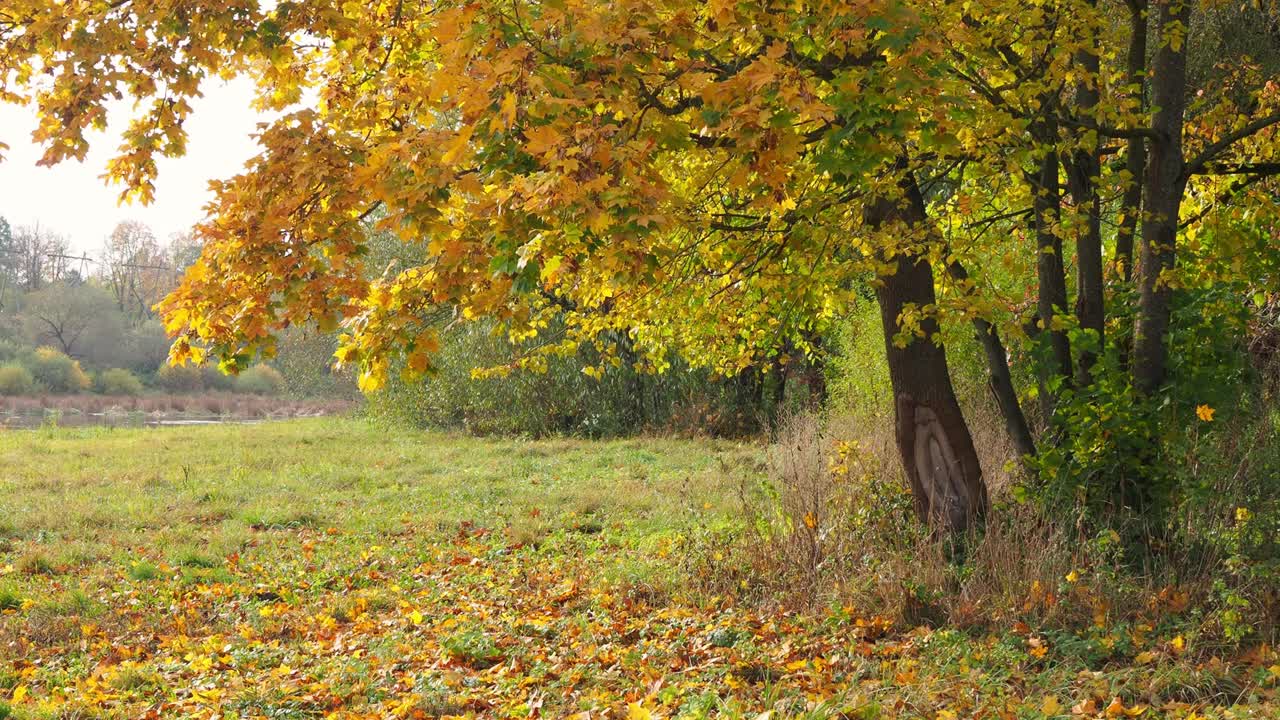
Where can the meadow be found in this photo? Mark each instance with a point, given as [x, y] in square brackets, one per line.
[335, 568]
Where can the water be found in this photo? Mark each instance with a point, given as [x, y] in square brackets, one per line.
[132, 418]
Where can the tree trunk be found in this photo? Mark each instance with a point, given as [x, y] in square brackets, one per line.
[1052, 299]
[1162, 198]
[998, 377]
[1136, 152]
[1135, 161]
[932, 437]
[1085, 170]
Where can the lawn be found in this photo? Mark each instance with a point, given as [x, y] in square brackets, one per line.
[336, 568]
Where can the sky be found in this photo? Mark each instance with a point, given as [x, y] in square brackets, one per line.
[72, 200]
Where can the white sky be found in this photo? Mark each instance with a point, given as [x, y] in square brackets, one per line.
[71, 199]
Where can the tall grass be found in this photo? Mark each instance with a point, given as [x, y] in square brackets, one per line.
[832, 523]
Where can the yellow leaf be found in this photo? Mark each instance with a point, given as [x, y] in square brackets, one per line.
[415, 617]
[458, 145]
[1051, 707]
[508, 110]
[19, 694]
[1143, 658]
[636, 712]
[369, 382]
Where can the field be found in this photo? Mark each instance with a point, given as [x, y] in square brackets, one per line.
[334, 568]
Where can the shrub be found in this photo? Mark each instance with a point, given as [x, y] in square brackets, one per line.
[564, 400]
[118, 381]
[259, 380]
[56, 372]
[215, 379]
[180, 378]
[16, 380]
[10, 349]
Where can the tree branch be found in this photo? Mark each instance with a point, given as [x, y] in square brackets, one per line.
[1213, 150]
[1222, 197]
[1113, 132]
[1263, 168]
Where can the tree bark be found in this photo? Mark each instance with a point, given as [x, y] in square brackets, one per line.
[933, 439]
[1136, 152]
[1164, 185]
[1052, 298]
[1085, 170]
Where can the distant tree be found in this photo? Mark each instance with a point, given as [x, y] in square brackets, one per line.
[184, 250]
[41, 256]
[135, 269]
[9, 262]
[63, 315]
[148, 347]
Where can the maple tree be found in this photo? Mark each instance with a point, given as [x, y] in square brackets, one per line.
[712, 179]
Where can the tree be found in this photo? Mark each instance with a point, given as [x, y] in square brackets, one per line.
[41, 254]
[135, 269]
[183, 251]
[63, 315]
[9, 262]
[712, 179]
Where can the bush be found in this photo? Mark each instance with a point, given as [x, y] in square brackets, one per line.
[10, 349]
[118, 381]
[16, 380]
[180, 378]
[56, 372]
[564, 400]
[260, 380]
[140, 350]
[215, 379]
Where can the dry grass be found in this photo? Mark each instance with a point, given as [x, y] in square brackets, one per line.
[221, 405]
[834, 524]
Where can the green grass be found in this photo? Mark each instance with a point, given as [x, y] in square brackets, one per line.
[335, 568]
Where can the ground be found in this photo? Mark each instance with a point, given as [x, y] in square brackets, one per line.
[335, 568]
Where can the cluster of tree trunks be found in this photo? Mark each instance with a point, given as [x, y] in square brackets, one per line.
[933, 439]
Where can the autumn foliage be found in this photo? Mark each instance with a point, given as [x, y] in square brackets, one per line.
[707, 179]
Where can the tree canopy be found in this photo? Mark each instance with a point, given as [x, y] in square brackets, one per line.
[717, 179]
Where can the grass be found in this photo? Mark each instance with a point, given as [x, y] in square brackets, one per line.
[335, 568]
